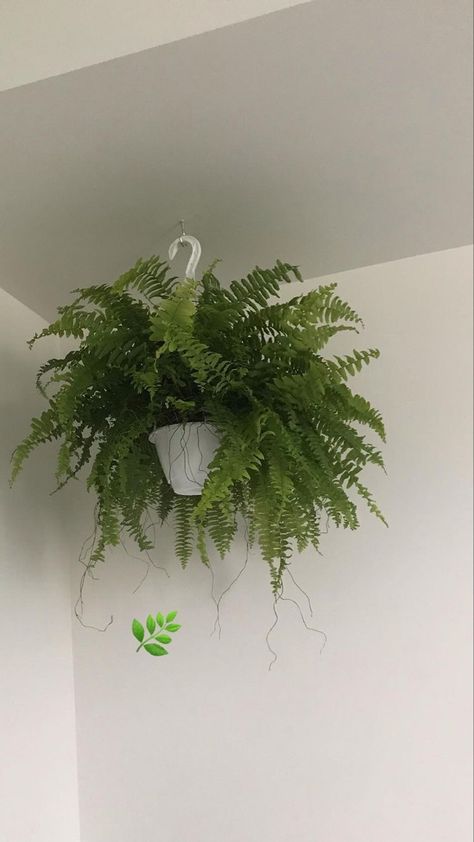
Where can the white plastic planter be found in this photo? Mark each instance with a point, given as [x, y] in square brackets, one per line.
[185, 451]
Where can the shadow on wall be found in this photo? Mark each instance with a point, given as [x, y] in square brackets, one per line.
[31, 516]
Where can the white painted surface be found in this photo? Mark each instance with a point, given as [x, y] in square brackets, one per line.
[330, 138]
[38, 769]
[47, 37]
[368, 742]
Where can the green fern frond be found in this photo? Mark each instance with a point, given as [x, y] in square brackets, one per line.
[43, 429]
[149, 278]
[183, 509]
[151, 351]
[260, 285]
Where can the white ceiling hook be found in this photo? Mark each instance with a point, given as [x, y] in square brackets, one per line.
[195, 252]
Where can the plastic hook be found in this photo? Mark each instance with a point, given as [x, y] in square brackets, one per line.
[195, 251]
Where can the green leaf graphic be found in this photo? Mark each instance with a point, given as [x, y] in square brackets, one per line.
[170, 617]
[154, 649]
[150, 624]
[152, 644]
[138, 630]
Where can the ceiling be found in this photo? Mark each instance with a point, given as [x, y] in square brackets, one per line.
[64, 35]
[331, 134]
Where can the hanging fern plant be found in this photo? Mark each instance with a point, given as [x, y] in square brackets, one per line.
[153, 351]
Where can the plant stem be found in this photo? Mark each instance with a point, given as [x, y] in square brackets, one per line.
[152, 637]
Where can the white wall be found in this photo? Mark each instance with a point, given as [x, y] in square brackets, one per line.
[38, 768]
[368, 741]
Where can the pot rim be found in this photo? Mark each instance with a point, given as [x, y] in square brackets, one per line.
[174, 427]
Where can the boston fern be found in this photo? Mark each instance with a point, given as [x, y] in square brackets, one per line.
[152, 351]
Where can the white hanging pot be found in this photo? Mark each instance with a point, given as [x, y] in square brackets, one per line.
[185, 452]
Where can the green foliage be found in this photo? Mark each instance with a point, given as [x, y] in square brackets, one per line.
[155, 634]
[153, 351]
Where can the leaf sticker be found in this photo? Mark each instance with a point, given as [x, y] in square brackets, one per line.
[155, 649]
[156, 633]
[138, 630]
[150, 624]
